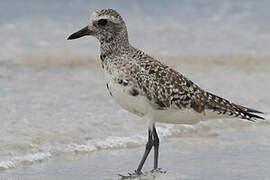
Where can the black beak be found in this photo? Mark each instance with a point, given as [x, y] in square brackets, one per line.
[83, 32]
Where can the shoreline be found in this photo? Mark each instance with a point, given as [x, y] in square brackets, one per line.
[187, 158]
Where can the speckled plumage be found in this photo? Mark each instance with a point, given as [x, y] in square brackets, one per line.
[146, 87]
[163, 87]
[166, 88]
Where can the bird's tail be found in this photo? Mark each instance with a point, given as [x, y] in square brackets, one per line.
[247, 113]
[223, 106]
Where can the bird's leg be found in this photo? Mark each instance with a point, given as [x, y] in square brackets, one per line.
[148, 148]
[156, 147]
[153, 140]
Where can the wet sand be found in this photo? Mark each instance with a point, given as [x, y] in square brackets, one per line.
[244, 154]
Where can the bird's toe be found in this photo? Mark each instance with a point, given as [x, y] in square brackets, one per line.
[158, 170]
[133, 175]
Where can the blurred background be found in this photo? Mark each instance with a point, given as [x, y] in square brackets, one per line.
[175, 27]
[54, 101]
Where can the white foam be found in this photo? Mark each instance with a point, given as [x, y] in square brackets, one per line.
[80, 148]
[31, 158]
[119, 142]
[6, 165]
[27, 159]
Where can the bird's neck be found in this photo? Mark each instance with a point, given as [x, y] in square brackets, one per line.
[114, 46]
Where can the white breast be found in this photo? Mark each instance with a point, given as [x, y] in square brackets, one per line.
[134, 104]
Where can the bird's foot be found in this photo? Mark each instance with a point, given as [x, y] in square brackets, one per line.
[158, 170]
[133, 175]
[136, 174]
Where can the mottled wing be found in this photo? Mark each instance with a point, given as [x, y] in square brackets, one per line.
[166, 88]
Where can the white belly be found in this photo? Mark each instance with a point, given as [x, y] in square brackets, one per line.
[134, 104]
[140, 106]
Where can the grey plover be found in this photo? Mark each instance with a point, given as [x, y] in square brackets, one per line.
[148, 88]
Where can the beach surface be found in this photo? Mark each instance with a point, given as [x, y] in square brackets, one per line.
[239, 156]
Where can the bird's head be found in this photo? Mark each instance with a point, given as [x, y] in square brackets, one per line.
[105, 24]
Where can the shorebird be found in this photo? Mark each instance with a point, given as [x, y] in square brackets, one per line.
[150, 89]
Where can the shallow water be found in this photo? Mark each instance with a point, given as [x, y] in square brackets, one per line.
[50, 110]
[183, 158]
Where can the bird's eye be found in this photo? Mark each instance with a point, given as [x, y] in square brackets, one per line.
[102, 22]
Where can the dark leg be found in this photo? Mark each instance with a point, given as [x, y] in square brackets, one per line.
[148, 148]
[153, 140]
[156, 147]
